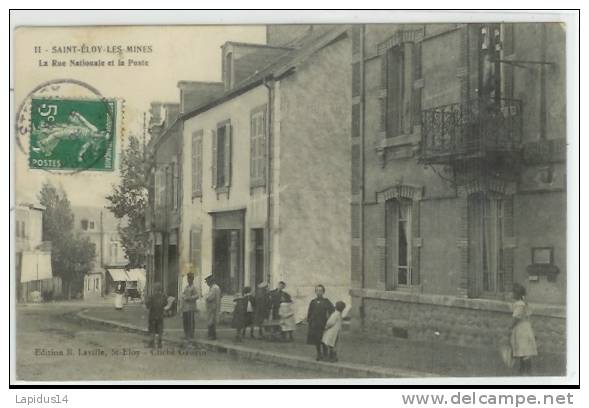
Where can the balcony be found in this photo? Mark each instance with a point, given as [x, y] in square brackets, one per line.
[471, 130]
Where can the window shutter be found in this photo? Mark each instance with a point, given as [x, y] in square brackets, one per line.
[507, 42]
[195, 249]
[253, 148]
[262, 149]
[416, 90]
[414, 248]
[508, 243]
[227, 147]
[383, 70]
[476, 203]
[395, 92]
[194, 163]
[214, 159]
[156, 190]
[392, 243]
[197, 163]
[175, 189]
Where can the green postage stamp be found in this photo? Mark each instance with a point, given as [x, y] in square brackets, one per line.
[72, 134]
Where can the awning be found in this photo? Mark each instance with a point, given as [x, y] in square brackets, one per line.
[136, 275]
[118, 275]
[132, 275]
[35, 265]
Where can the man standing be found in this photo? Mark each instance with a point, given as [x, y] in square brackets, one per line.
[213, 300]
[189, 296]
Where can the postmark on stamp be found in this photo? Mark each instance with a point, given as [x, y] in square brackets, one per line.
[72, 134]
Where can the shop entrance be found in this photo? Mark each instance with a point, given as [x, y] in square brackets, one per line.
[228, 250]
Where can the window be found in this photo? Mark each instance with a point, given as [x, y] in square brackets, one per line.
[395, 90]
[221, 173]
[258, 147]
[114, 251]
[84, 224]
[401, 77]
[486, 225]
[96, 284]
[489, 65]
[197, 163]
[399, 244]
[91, 225]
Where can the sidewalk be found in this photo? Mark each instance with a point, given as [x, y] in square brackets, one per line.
[382, 356]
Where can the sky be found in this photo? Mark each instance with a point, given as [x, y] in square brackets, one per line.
[177, 53]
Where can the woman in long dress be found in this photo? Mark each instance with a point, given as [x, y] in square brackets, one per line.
[523, 342]
[319, 311]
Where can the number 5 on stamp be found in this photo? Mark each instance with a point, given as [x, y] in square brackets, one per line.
[71, 134]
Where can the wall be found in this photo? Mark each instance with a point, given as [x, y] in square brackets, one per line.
[196, 211]
[284, 34]
[314, 174]
[466, 322]
[387, 165]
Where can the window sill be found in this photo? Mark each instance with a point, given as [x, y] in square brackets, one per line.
[397, 141]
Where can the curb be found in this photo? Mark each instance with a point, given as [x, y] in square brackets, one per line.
[340, 369]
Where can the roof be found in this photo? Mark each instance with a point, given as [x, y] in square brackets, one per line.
[244, 44]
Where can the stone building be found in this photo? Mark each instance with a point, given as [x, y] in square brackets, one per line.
[458, 179]
[165, 171]
[250, 209]
[100, 226]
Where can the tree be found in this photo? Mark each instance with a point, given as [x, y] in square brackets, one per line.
[129, 201]
[71, 256]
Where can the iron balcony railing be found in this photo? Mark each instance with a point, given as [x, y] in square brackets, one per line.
[470, 129]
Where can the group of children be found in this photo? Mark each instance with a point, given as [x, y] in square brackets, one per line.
[274, 311]
[270, 311]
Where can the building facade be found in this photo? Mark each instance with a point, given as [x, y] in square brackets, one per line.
[250, 212]
[458, 179]
[33, 255]
[100, 226]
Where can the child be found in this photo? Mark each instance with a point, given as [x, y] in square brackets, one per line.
[240, 313]
[156, 304]
[523, 343]
[249, 314]
[319, 311]
[287, 320]
[332, 329]
[261, 307]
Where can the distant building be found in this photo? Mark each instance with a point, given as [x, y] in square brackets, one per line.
[33, 255]
[100, 226]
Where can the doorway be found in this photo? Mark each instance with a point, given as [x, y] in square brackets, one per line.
[228, 250]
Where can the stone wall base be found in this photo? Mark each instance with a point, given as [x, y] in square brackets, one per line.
[459, 321]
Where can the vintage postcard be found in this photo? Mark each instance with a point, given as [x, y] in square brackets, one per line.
[299, 201]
